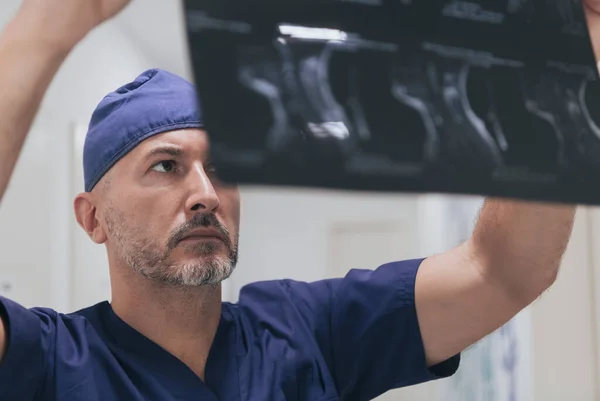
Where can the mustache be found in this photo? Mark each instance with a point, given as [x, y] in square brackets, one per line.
[199, 221]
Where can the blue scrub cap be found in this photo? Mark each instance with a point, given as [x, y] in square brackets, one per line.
[155, 102]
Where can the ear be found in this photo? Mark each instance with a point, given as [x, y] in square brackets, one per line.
[86, 215]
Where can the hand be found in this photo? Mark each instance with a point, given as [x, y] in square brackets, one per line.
[66, 22]
[592, 12]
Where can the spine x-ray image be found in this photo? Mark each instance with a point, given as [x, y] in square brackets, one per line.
[490, 97]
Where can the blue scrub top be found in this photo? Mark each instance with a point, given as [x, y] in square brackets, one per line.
[351, 338]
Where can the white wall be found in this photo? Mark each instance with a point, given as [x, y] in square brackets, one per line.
[565, 342]
[37, 209]
[285, 232]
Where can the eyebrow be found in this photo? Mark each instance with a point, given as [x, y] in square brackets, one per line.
[165, 150]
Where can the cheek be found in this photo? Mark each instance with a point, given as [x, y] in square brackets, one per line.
[160, 215]
[145, 216]
[156, 204]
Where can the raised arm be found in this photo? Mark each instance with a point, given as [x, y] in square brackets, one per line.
[512, 257]
[32, 48]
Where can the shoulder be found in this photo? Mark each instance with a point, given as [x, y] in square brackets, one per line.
[35, 321]
[278, 302]
[285, 293]
[40, 341]
[294, 302]
[44, 328]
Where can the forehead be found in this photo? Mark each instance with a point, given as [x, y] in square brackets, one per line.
[191, 142]
[188, 141]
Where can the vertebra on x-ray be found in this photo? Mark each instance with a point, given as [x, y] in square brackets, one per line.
[478, 96]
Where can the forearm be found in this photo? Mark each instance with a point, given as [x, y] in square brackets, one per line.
[520, 244]
[28, 63]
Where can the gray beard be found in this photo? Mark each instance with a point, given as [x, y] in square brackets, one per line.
[208, 270]
[144, 258]
[210, 273]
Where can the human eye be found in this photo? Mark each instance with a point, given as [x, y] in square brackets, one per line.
[165, 166]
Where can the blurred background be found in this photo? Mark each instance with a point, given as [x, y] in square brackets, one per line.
[548, 352]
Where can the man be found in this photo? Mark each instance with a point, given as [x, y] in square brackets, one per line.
[171, 231]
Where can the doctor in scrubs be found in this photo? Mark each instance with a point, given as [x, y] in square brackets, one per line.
[170, 228]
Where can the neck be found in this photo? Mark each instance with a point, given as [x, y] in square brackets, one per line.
[183, 321]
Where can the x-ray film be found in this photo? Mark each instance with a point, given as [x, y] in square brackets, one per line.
[488, 97]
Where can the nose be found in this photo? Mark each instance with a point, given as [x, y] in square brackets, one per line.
[202, 195]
